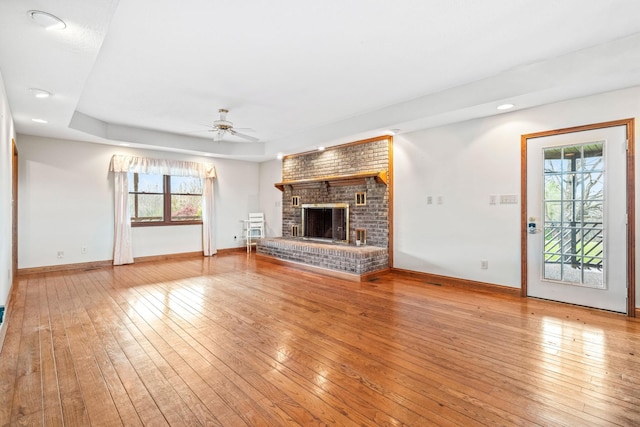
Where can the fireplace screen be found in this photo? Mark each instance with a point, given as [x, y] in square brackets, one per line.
[326, 221]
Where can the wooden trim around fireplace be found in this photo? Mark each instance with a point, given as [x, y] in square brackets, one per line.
[336, 180]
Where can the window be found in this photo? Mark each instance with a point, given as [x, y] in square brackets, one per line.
[574, 200]
[164, 199]
[295, 201]
[361, 199]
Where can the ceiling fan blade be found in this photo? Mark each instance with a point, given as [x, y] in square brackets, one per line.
[243, 136]
[203, 127]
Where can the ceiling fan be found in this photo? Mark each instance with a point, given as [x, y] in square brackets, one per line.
[224, 126]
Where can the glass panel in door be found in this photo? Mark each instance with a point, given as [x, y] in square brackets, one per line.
[573, 249]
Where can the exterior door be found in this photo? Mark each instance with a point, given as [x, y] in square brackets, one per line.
[576, 208]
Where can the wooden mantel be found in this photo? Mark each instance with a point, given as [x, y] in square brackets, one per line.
[337, 180]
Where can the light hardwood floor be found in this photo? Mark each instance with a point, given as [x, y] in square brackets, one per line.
[236, 341]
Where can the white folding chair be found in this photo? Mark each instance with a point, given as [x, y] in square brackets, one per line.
[254, 229]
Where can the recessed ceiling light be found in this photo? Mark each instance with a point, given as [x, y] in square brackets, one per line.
[47, 20]
[39, 121]
[505, 106]
[39, 93]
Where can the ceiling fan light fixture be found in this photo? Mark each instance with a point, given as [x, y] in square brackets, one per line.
[223, 127]
[222, 124]
[47, 20]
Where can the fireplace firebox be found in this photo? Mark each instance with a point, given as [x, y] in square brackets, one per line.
[326, 222]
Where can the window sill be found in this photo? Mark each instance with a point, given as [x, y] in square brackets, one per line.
[164, 224]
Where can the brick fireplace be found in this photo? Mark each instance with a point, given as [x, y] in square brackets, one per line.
[357, 174]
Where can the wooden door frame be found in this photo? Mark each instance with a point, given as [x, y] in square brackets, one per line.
[629, 125]
[14, 209]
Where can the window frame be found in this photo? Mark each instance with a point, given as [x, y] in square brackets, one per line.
[166, 200]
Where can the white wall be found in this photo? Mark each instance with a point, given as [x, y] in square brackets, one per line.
[236, 194]
[465, 163]
[66, 202]
[7, 133]
[271, 197]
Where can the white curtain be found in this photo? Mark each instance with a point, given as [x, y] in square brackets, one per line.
[161, 166]
[122, 165]
[208, 242]
[122, 250]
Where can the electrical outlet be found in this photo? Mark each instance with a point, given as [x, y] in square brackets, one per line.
[83, 250]
[484, 264]
[60, 254]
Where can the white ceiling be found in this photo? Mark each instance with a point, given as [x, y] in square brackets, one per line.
[153, 73]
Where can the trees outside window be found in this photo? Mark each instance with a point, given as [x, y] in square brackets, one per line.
[164, 199]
